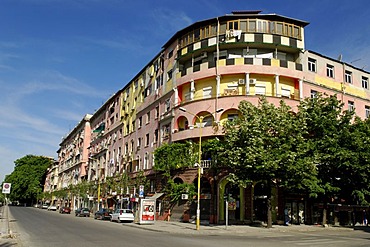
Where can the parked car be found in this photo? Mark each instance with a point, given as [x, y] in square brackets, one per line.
[85, 212]
[52, 208]
[65, 210]
[44, 206]
[103, 214]
[121, 215]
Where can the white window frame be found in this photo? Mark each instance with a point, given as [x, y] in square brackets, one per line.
[348, 76]
[351, 105]
[365, 82]
[330, 70]
[312, 64]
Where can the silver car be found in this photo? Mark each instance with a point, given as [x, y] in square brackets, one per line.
[121, 215]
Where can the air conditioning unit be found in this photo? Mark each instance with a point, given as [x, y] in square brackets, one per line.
[241, 81]
[252, 81]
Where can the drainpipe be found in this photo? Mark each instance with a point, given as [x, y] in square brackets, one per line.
[216, 67]
[277, 86]
[247, 85]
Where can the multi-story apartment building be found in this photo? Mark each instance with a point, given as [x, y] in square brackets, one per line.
[51, 180]
[73, 161]
[204, 71]
[105, 148]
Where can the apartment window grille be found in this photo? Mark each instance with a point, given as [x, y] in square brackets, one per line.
[330, 71]
[312, 64]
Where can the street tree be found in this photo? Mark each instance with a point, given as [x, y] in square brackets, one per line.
[265, 144]
[27, 178]
[327, 125]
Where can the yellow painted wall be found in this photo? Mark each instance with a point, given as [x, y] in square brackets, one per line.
[231, 79]
[328, 82]
[355, 91]
[200, 84]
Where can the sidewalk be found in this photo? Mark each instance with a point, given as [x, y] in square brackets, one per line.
[4, 222]
[189, 228]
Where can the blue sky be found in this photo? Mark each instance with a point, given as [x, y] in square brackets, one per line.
[61, 59]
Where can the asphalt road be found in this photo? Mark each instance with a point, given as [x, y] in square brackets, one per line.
[38, 228]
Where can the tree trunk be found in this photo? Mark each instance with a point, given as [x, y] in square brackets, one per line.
[269, 212]
[269, 206]
[324, 215]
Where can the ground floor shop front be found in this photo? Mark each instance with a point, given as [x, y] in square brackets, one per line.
[220, 200]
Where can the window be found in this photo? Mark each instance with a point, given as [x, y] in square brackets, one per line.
[138, 143]
[312, 64]
[351, 106]
[285, 92]
[169, 75]
[260, 89]
[330, 71]
[156, 136]
[140, 123]
[348, 76]
[313, 94]
[207, 92]
[126, 148]
[367, 111]
[136, 84]
[148, 117]
[232, 116]
[157, 112]
[152, 186]
[132, 146]
[365, 82]
[147, 140]
[233, 25]
[168, 105]
[170, 54]
[146, 161]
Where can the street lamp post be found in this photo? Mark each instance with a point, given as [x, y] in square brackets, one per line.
[200, 119]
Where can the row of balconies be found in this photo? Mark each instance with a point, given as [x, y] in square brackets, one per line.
[240, 61]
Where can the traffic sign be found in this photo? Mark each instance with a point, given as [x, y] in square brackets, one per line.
[6, 188]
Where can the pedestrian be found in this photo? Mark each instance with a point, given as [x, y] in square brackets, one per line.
[286, 216]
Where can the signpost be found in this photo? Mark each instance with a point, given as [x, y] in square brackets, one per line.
[6, 188]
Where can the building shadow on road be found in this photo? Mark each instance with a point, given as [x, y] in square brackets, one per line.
[362, 228]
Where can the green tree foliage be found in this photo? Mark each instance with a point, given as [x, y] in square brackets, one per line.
[174, 156]
[27, 178]
[266, 144]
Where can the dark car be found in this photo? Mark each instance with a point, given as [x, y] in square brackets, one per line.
[65, 210]
[103, 214]
[85, 212]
